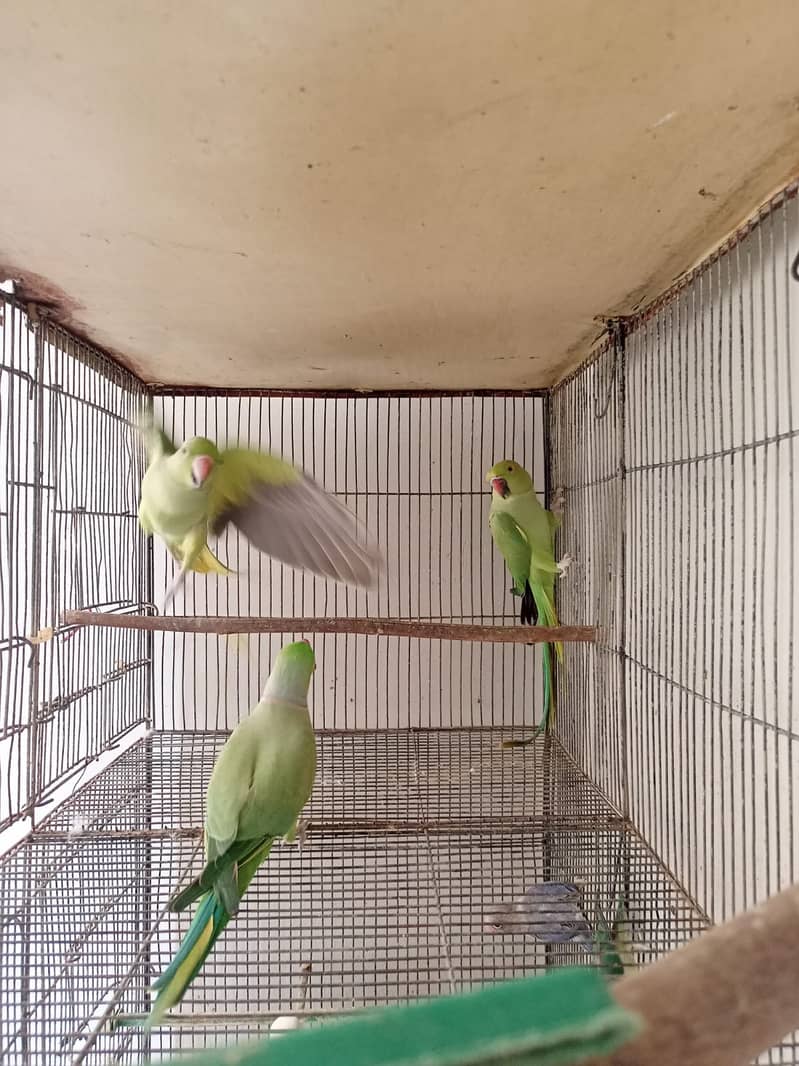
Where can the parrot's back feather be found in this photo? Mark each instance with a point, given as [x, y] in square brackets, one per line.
[284, 513]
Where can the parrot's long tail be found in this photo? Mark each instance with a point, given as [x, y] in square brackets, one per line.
[207, 924]
[209, 921]
[546, 616]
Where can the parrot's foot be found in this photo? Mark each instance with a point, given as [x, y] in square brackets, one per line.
[558, 500]
[299, 831]
[564, 564]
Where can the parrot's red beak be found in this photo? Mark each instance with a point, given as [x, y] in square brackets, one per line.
[200, 469]
[500, 486]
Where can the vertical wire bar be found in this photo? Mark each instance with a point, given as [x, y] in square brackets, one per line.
[35, 602]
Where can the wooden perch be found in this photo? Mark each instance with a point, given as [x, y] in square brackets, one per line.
[380, 627]
[722, 999]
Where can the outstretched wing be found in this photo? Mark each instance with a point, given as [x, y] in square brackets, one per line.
[156, 443]
[284, 513]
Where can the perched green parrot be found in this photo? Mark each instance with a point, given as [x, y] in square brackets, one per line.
[524, 532]
[260, 783]
[194, 490]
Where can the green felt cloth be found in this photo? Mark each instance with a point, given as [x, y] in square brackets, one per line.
[562, 1017]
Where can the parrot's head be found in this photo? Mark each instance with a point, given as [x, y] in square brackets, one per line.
[509, 479]
[291, 673]
[195, 461]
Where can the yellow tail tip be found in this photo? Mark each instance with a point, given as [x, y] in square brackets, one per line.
[207, 563]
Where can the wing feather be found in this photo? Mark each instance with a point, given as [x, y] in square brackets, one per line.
[512, 542]
[156, 443]
[287, 515]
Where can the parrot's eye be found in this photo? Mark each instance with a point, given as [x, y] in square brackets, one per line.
[510, 469]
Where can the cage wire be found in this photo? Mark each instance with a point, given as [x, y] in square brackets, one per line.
[667, 784]
[683, 712]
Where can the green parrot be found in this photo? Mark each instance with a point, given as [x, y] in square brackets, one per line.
[260, 783]
[194, 490]
[614, 943]
[524, 532]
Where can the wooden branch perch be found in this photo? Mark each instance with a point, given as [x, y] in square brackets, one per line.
[723, 998]
[380, 627]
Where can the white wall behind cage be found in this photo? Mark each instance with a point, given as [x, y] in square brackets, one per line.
[413, 470]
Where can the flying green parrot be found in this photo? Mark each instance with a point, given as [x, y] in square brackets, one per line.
[260, 783]
[194, 490]
[524, 532]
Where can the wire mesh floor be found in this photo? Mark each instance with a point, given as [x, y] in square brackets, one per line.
[412, 837]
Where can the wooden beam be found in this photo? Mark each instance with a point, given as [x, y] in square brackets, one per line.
[720, 1000]
[380, 627]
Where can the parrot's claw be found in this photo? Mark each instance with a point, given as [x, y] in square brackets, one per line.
[564, 564]
[300, 830]
[558, 500]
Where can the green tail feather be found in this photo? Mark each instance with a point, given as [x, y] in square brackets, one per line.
[547, 616]
[549, 694]
[605, 945]
[210, 908]
[549, 703]
[208, 923]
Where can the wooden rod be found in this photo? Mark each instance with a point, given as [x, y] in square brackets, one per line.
[723, 998]
[380, 627]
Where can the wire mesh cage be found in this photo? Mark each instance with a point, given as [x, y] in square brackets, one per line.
[666, 783]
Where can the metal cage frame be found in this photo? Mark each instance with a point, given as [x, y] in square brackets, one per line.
[418, 819]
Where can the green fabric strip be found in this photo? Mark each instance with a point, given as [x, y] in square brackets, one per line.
[563, 1017]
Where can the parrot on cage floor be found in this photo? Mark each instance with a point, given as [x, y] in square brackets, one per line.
[552, 912]
[259, 785]
[194, 490]
[524, 532]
